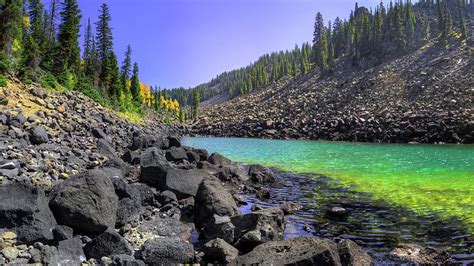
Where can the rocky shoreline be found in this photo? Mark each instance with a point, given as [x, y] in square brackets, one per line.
[80, 185]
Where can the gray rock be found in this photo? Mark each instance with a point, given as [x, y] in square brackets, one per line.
[70, 252]
[62, 232]
[212, 198]
[260, 174]
[38, 135]
[167, 251]
[87, 202]
[131, 157]
[100, 134]
[183, 183]
[174, 142]
[203, 154]
[219, 227]
[219, 251]
[176, 155]
[147, 194]
[24, 209]
[219, 159]
[258, 227]
[296, 251]
[154, 167]
[106, 244]
[352, 254]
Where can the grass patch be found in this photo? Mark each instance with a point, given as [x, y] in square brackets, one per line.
[3, 81]
[133, 117]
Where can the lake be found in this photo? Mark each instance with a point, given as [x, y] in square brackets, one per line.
[421, 187]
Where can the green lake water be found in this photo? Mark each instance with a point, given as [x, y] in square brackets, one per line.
[427, 179]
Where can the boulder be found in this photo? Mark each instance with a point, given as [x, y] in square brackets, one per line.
[219, 227]
[174, 142]
[147, 194]
[105, 148]
[24, 209]
[142, 142]
[261, 174]
[129, 205]
[167, 251]
[106, 244]
[131, 157]
[203, 154]
[38, 135]
[296, 251]
[212, 198]
[87, 202]
[154, 167]
[193, 157]
[176, 155]
[416, 254]
[100, 134]
[219, 251]
[258, 227]
[70, 252]
[352, 254]
[219, 159]
[183, 183]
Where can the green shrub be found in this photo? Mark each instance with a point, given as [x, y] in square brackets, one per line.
[91, 92]
[48, 81]
[5, 63]
[3, 81]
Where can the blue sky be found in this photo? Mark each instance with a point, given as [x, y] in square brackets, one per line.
[188, 42]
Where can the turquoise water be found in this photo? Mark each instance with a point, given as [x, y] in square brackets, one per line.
[427, 179]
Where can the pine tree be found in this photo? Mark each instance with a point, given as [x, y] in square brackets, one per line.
[135, 87]
[115, 88]
[462, 23]
[196, 104]
[410, 22]
[88, 39]
[318, 31]
[11, 21]
[104, 47]
[67, 55]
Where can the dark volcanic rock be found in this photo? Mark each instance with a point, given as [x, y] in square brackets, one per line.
[219, 159]
[296, 251]
[352, 254]
[184, 183]
[174, 142]
[258, 227]
[38, 135]
[167, 251]
[219, 227]
[219, 251]
[261, 174]
[131, 157]
[212, 198]
[130, 202]
[87, 202]
[153, 167]
[176, 154]
[24, 209]
[106, 244]
[62, 232]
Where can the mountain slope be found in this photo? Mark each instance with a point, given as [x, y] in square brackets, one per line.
[424, 96]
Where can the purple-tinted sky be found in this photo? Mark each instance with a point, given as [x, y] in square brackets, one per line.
[188, 42]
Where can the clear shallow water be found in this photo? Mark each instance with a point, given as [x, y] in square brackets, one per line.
[425, 179]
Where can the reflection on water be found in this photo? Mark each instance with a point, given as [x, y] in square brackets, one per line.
[428, 179]
[394, 193]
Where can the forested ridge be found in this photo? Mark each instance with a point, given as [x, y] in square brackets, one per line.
[369, 37]
[40, 44]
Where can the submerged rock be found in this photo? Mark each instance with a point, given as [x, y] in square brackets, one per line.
[296, 251]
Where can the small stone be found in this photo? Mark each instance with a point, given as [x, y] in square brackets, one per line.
[10, 253]
[61, 109]
[8, 235]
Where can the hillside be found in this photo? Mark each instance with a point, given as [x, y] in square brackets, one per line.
[424, 96]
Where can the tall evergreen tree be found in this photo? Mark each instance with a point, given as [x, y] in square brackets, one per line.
[104, 47]
[67, 56]
[196, 104]
[135, 87]
[462, 23]
[11, 21]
